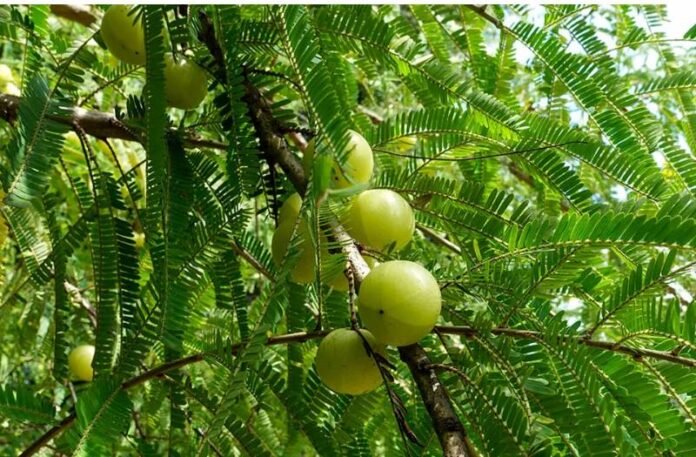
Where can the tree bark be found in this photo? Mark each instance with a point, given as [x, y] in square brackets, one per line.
[97, 124]
[82, 14]
[448, 427]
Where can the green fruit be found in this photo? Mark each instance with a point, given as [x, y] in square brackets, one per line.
[344, 364]
[80, 362]
[379, 218]
[186, 84]
[290, 209]
[400, 302]
[357, 168]
[304, 270]
[123, 35]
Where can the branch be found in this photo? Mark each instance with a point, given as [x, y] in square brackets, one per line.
[97, 124]
[448, 427]
[613, 346]
[82, 14]
[439, 239]
[49, 435]
[251, 260]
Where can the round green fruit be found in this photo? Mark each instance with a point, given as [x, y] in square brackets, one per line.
[379, 218]
[290, 209]
[80, 362]
[400, 302]
[123, 35]
[303, 271]
[344, 364]
[186, 84]
[357, 168]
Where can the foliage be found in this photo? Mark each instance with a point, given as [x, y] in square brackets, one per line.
[553, 181]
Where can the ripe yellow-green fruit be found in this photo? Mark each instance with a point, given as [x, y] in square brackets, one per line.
[400, 302]
[186, 84]
[290, 209]
[303, 271]
[80, 362]
[123, 35]
[344, 364]
[379, 218]
[357, 168]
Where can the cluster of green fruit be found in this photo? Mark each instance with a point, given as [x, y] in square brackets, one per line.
[186, 84]
[7, 81]
[399, 301]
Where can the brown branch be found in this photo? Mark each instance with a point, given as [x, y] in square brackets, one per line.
[637, 353]
[82, 14]
[48, 436]
[449, 429]
[273, 145]
[97, 124]
[251, 260]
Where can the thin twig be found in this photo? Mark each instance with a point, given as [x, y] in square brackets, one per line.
[160, 371]
[251, 260]
[76, 294]
[351, 297]
[439, 239]
[604, 345]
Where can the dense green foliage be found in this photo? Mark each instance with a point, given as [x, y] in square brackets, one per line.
[554, 195]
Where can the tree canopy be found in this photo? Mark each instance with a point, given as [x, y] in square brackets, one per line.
[547, 156]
